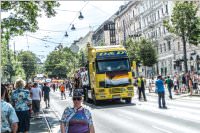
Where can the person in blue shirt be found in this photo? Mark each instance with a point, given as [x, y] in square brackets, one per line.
[161, 92]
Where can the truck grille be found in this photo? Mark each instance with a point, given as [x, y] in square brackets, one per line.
[116, 90]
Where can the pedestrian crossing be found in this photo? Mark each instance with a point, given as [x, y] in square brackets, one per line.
[182, 116]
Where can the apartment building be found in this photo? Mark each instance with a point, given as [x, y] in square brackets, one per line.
[145, 19]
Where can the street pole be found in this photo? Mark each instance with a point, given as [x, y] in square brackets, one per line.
[14, 51]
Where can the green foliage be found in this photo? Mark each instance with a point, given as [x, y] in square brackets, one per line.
[60, 62]
[147, 53]
[133, 50]
[185, 22]
[22, 15]
[28, 62]
[141, 51]
[82, 57]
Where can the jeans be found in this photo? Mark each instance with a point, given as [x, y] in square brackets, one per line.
[161, 96]
[170, 92]
[142, 90]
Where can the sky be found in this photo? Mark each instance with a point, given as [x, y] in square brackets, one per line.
[53, 29]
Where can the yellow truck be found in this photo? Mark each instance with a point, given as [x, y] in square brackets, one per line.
[109, 73]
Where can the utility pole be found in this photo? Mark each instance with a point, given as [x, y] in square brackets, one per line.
[14, 51]
[9, 67]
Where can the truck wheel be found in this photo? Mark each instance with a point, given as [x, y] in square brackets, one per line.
[96, 102]
[128, 100]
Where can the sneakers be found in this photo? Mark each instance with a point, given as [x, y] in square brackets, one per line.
[160, 107]
[164, 107]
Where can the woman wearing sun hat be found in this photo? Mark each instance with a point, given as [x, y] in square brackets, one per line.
[76, 119]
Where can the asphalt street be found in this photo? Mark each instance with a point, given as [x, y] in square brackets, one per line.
[182, 115]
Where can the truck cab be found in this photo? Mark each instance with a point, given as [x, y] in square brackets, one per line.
[110, 75]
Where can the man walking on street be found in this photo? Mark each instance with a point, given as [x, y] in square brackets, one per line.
[45, 94]
[141, 87]
[161, 92]
[62, 90]
[36, 98]
[169, 83]
[84, 81]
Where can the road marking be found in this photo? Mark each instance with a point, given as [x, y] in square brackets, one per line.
[161, 129]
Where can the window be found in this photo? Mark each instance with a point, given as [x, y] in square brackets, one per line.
[139, 25]
[164, 30]
[159, 29]
[158, 14]
[166, 7]
[162, 10]
[160, 48]
[133, 13]
[169, 45]
[178, 46]
[164, 47]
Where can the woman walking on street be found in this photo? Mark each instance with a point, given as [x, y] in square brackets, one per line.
[21, 102]
[77, 119]
[190, 86]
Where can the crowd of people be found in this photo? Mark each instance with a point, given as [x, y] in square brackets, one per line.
[20, 102]
[180, 83]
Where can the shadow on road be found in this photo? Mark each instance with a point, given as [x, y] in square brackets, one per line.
[108, 104]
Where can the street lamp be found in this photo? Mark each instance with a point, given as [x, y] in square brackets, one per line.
[66, 35]
[80, 16]
[73, 28]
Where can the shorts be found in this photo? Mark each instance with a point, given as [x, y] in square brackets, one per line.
[24, 120]
[36, 106]
[46, 97]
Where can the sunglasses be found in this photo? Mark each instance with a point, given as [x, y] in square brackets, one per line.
[77, 98]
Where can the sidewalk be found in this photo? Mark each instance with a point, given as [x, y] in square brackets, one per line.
[174, 95]
[48, 123]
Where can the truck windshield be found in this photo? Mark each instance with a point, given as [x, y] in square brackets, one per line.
[113, 65]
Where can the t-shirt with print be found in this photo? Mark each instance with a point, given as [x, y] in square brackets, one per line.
[8, 116]
[79, 123]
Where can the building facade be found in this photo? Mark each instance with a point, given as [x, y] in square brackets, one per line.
[105, 33]
[145, 19]
[82, 42]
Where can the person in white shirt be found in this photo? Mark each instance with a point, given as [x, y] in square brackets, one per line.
[36, 98]
[84, 81]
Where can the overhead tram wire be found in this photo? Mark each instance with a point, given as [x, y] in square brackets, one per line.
[66, 10]
[74, 20]
[43, 39]
[82, 28]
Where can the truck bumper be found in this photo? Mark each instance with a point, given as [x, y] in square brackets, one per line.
[114, 96]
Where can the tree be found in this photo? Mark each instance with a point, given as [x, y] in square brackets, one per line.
[132, 50]
[147, 53]
[60, 62]
[28, 61]
[22, 17]
[185, 23]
